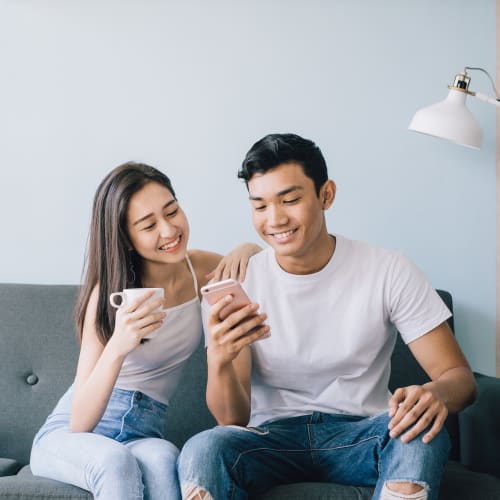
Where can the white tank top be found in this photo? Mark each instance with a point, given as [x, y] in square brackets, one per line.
[155, 367]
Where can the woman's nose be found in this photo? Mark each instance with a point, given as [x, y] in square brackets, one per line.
[166, 229]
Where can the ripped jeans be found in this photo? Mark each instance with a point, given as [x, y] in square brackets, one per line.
[232, 462]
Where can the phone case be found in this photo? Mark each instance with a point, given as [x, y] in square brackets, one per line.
[214, 292]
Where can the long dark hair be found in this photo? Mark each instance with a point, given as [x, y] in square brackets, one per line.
[111, 261]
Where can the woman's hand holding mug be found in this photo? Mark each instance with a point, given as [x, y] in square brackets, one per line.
[139, 315]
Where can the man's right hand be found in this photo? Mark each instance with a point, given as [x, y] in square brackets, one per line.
[229, 336]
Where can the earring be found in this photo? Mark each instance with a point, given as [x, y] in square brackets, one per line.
[131, 268]
[132, 273]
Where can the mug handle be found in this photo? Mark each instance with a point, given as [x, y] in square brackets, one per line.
[112, 299]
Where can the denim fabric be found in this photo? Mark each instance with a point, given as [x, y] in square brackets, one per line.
[232, 462]
[125, 457]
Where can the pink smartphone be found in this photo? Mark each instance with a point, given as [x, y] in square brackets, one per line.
[213, 292]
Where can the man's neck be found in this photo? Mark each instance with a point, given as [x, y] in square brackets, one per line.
[313, 262]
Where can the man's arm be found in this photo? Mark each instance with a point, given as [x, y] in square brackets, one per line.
[229, 361]
[452, 387]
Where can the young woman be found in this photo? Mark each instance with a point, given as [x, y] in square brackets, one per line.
[106, 433]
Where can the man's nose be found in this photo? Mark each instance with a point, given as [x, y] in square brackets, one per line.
[277, 216]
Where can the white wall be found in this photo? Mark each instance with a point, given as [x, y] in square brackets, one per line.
[189, 85]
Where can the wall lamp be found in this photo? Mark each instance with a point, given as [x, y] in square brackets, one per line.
[451, 119]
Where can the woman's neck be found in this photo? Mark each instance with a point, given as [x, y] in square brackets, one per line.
[156, 275]
[176, 279]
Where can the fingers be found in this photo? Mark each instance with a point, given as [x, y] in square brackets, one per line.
[413, 410]
[438, 424]
[242, 271]
[233, 265]
[215, 310]
[142, 316]
[143, 332]
[149, 319]
[224, 270]
[239, 329]
[234, 332]
[228, 270]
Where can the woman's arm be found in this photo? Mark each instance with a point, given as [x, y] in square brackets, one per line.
[99, 365]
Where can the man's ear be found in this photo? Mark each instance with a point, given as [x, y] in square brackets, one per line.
[327, 194]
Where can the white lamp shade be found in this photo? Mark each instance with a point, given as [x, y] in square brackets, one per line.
[449, 119]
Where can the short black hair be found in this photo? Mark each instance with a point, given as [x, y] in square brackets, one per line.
[276, 149]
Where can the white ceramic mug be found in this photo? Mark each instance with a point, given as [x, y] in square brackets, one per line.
[130, 294]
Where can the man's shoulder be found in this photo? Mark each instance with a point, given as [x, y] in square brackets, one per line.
[362, 249]
[261, 258]
[259, 267]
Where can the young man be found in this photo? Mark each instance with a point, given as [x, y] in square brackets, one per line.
[301, 394]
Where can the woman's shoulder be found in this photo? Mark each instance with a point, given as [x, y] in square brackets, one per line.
[203, 262]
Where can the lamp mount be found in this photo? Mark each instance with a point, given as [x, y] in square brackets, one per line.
[462, 82]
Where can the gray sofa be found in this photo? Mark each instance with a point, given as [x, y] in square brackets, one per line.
[38, 352]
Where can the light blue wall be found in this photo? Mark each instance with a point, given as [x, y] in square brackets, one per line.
[189, 85]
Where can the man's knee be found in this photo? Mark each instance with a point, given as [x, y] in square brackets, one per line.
[403, 490]
[204, 448]
[196, 448]
[192, 492]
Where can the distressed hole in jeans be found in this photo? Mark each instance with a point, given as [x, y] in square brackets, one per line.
[192, 492]
[388, 494]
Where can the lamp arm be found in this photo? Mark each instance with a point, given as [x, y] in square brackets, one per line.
[486, 98]
[489, 77]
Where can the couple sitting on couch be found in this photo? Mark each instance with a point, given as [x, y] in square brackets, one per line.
[297, 380]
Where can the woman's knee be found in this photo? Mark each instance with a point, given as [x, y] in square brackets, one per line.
[114, 460]
[157, 453]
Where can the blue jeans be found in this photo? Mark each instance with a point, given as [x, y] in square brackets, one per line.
[125, 457]
[232, 462]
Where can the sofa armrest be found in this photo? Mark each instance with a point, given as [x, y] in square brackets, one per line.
[480, 428]
[9, 467]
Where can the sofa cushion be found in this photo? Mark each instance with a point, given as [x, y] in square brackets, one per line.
[8, 466]
[457, 483]
[27, 486]
[460, 483]
[317, 491]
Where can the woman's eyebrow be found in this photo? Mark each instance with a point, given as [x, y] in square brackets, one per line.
[173, 200]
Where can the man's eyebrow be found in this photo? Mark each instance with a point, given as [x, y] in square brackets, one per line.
[138, 221]
[284, 192]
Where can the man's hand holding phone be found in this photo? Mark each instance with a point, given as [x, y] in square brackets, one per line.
[233, 321]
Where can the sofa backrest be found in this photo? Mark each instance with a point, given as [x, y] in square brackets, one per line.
[38, 352]
[38, 356]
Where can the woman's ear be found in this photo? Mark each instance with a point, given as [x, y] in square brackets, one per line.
[327, 194]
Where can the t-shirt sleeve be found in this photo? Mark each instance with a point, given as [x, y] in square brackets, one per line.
[415, 308]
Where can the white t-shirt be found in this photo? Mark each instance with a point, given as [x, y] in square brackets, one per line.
[333, 332]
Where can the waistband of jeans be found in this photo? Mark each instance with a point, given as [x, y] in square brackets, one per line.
[315, 417]
[137, 398]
